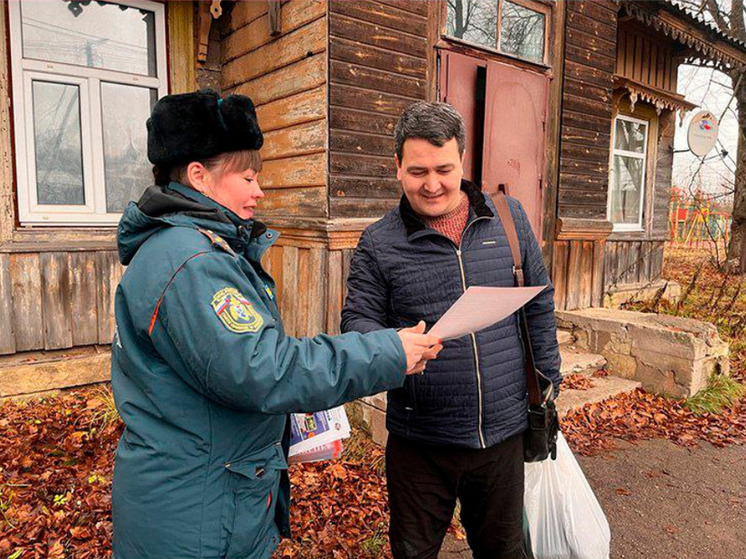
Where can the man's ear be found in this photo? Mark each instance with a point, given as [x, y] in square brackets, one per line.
[398, 167]
[198, 176]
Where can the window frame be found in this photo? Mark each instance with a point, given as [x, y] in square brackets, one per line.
[89, 80]
[538, 7]
[543, 7]
[614, 151]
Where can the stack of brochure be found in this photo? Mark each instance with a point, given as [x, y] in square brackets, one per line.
[318, 436]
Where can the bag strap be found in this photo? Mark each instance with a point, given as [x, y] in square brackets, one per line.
[506, 218]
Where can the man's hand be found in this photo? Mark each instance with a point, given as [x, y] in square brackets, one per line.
[419, 347]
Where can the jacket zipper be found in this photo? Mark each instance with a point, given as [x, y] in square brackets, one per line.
[473, 338]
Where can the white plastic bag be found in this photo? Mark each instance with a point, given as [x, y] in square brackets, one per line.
[564, 517]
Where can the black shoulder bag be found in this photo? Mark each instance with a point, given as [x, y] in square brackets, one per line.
[540, 440]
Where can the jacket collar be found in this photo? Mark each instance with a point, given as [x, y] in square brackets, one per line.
[477, 204]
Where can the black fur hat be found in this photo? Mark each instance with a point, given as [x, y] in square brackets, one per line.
[193, 126]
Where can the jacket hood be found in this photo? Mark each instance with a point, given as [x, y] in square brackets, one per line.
[176, 205]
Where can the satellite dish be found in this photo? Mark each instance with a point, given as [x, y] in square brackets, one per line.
[702, 133]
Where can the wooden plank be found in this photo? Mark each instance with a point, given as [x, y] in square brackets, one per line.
[302, 139]
[360, 207]
[595, 170]
[597, 276]
[578, 20]
[316, 287]
[301, 108]
[572, 133]
[304, 75]
[559, 273]
[302, 170]
[7, 178]
[379, 80]
[340, 186]
[289, 289]
[588, 106]
[346, 261]
[276, 266]
[245, 12]
[368, 100]
[370, 34]
[56, 299]
[586, 274]
[413, 6]
[181, 51]
[363, 121]
[593, 9]
[302, 297]
[25, 277]
[294, 15]
[83, 298]
[362, 143]
[358, 165]
[281, 52]
[373, 12]
[7, 331]
[587, 74]
[574, 275]
[334, 299]
[586, 122]
[609, 264]
[305, 202]
[28, 379]
[583, 197]
[602, 44]
[587, 56]
[373, 57]
[582, 212]
[109, 272]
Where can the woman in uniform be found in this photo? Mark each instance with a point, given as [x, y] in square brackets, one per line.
[202, 372]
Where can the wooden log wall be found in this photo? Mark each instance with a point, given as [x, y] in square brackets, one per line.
[285, 75]
[590, 59]
[378, 64]
[311, 283]
[632, 262]
[645, 57]
[577, 274]
[57, 300]
[663, 175]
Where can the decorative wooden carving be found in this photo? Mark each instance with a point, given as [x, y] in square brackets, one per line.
[207, 12]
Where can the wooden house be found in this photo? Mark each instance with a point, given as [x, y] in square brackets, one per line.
[570, 107]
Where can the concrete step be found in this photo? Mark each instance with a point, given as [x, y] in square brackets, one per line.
[603, 388]
[574, 361]
[564, 337]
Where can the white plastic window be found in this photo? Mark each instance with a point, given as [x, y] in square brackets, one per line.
[85, 77]
[627, 173]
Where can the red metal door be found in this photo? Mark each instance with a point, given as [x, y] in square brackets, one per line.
[458, 86]
[514, 136]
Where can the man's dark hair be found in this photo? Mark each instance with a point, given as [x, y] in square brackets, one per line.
[435, 122]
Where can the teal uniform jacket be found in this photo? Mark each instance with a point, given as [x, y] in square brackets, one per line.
[204, 377]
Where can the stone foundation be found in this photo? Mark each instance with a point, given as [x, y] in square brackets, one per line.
[667, 354]
[629, 292]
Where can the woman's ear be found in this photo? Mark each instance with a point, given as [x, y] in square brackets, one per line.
[198, 177]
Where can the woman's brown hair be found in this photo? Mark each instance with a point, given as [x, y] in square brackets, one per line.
[228, 162]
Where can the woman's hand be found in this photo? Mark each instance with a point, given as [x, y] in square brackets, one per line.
[419, 347]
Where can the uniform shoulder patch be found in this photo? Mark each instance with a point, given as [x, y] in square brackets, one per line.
[235, 312]
[217, 241]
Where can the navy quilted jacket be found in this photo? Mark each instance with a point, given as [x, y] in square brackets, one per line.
[474, 394]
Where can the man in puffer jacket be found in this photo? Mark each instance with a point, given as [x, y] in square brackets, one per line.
[460, 425]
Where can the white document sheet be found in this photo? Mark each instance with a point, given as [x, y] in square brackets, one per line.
[480, 307]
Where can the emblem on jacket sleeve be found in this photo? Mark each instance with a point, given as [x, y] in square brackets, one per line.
[235, 311]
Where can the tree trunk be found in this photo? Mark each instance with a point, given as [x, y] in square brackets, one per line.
[737, 244]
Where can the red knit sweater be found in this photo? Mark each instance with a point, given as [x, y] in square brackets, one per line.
[451, 224]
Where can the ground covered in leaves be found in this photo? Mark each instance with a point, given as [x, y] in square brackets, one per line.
[56, 454]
